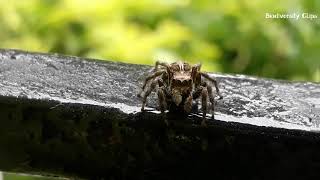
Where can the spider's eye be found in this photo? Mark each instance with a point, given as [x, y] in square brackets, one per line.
[175, 81]
[187, 82]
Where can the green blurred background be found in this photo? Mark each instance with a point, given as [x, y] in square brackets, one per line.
[230, 36]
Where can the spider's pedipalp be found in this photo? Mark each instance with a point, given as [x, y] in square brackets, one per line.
[188, 104]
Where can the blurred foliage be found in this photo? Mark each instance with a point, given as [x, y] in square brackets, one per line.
[230, 36]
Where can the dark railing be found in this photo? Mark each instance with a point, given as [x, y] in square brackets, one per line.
[74, 117]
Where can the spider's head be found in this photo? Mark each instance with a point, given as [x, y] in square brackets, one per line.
[181, 83]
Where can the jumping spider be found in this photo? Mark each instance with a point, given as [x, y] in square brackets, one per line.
[180, 83]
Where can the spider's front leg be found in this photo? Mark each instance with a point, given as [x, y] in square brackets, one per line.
[152, 76]
[204, 105]
[147, 93]
[213, 81]
[162, 102]
[211, 98]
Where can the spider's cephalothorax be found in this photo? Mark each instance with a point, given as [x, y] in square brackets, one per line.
[179, 84]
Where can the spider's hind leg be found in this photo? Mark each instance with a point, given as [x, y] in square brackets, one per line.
[158, 63]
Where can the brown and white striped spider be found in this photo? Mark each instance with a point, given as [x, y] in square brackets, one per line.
[178, 84]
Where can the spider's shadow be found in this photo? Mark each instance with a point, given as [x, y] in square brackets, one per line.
[177, 114]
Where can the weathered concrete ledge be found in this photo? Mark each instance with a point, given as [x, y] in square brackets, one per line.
[74, 117]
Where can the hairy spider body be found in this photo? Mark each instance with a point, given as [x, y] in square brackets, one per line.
[179, 84]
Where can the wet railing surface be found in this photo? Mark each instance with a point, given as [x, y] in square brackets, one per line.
[76, 117]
